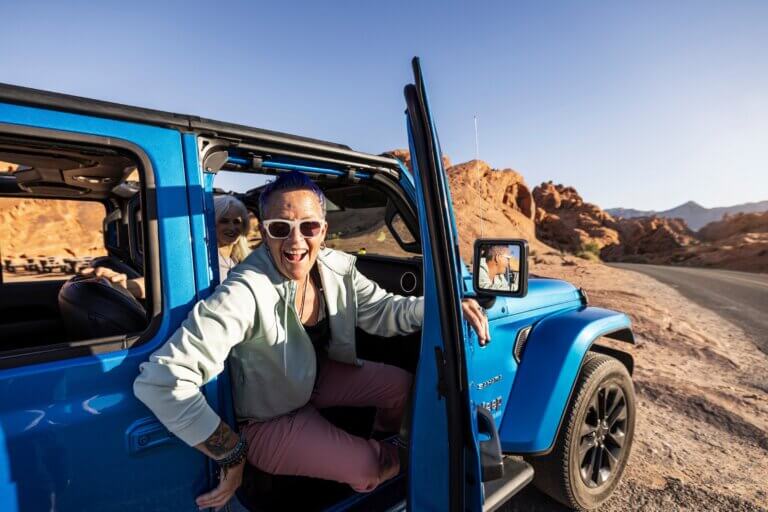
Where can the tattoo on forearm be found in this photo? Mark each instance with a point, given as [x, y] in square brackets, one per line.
[222, 441]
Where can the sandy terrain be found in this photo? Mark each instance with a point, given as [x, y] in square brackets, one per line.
[702, 433]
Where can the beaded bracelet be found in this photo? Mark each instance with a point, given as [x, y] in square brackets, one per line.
[235, 457]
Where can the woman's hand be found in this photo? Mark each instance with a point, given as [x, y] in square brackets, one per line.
[228, 484]
[135, 287]
[475, 315]
[116, 278]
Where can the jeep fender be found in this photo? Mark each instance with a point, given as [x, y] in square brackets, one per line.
[547, 373]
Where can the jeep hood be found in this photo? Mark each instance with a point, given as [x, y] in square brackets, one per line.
[543, 293]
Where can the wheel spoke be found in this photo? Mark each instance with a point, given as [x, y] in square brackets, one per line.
[584, 447]
[587, 429]
[592, 465]
[611, 459]
[615, 399]
[601, 399]
[597, 465]
[594, 406]
[619, 414]
[616, 437]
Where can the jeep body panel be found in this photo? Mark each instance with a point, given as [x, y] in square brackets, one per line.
[438, 465]
[547, 372]
[70, 423]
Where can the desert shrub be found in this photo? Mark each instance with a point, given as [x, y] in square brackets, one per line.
[589, 251]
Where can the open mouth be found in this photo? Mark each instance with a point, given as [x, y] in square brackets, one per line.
[295, 256]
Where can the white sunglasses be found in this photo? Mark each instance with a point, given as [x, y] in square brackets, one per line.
[280, 229]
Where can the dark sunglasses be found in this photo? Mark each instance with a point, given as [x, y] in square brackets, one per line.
[280, 229]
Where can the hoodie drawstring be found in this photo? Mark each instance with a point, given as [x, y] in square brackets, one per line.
[285, 326]
[285, 343]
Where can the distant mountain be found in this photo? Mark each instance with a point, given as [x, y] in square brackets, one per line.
[695, 215]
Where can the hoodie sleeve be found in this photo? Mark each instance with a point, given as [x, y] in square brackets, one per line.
[169, 383]
[383, 313]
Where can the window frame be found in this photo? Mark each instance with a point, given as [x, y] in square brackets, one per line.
[397, 202]
[151, 261]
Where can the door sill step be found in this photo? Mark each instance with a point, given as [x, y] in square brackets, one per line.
[517, 474]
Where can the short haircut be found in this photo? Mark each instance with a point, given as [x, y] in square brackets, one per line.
[497, 250]
[293, 180]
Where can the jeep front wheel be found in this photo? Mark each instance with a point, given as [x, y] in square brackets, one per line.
[595, 438]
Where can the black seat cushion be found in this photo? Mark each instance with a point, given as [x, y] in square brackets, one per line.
[92, 307]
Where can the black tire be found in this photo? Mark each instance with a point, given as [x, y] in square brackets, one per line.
[585, 478]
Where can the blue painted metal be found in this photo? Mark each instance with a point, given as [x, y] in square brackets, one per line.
[547, 373]
[542, 293]
[202, 214]
[407, 183]
[65, 424]
[431, 332]
[198, 209]
[429, 450]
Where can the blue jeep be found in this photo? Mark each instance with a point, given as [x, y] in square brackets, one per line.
[541, 403]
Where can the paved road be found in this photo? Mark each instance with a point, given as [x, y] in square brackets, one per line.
[741, 297]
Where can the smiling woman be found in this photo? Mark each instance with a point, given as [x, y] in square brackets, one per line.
[232, 226]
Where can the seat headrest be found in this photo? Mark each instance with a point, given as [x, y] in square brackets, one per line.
[92, 307]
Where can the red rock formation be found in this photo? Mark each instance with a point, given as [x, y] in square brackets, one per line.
[33, 227]
[642, 239]
[738, 242]
[487, 202]
[490, 203]
[730, 225]
[565, 221]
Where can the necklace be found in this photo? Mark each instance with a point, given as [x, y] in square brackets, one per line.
[303, 297]
[229, 262]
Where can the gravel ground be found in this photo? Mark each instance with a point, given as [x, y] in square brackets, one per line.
[701, 440]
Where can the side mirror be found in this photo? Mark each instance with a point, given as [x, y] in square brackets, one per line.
[500, 267]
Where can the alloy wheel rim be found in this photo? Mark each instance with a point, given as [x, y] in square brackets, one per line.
[602, 436]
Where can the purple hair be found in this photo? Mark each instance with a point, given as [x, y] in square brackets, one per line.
[293, 180]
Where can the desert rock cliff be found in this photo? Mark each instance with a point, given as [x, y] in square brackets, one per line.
[34, 227]
[566, 222]
[488, 202]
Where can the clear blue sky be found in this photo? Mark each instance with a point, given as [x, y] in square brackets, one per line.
[637, 104]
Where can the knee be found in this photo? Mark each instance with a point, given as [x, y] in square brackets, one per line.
[380, 465]
[402, 384]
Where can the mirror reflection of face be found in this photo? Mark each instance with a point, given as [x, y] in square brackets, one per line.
[501, 268]
[295, 255]
[228, 228]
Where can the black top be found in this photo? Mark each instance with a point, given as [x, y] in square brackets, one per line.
[320, 332]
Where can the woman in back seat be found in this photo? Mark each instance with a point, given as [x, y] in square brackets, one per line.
[286, 318]
[232, 226]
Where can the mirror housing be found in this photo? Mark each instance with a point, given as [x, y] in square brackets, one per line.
[500, 267]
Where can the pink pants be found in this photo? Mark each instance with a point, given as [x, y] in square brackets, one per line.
[304, 443]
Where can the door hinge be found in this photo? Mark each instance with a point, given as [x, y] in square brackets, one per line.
[212, 152]
[442, 390]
